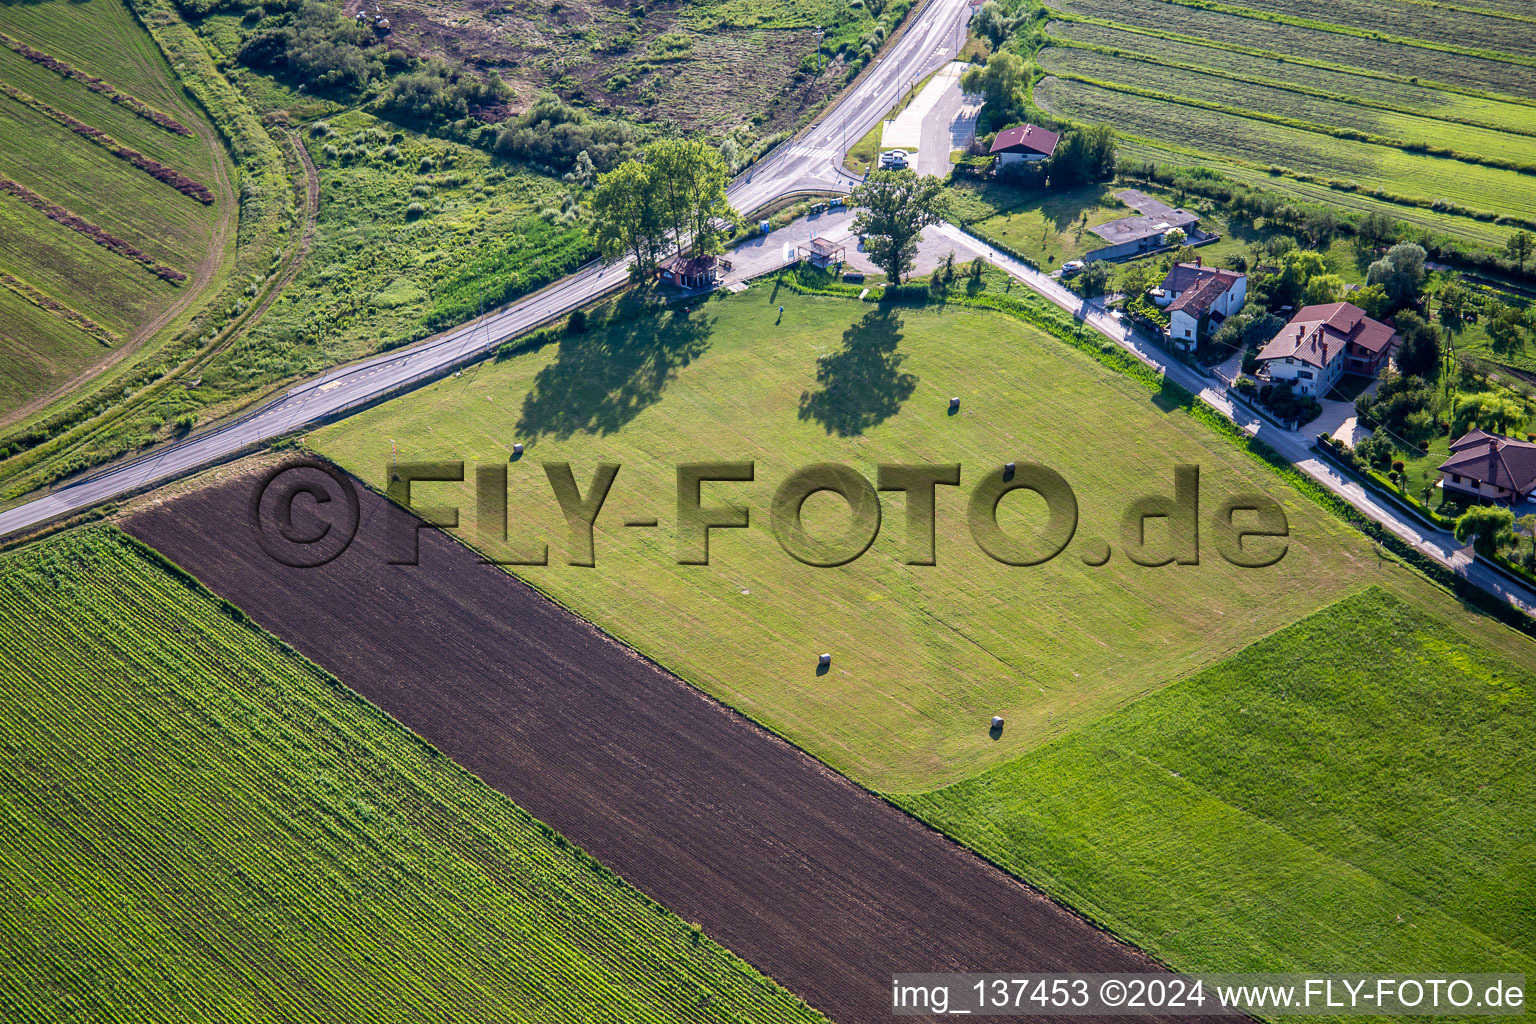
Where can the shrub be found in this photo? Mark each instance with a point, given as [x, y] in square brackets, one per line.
[415, 210]
[576, 323]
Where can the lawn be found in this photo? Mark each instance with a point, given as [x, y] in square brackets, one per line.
[923, 656]
[201, 824]
[1349, 794]
[98, 38]
[1049, 228]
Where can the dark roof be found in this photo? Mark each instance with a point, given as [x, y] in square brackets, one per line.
[689, 266]
[1153, 217]
[1494, 459]
[1025, 138]
[1199, 286]
[1317, 333]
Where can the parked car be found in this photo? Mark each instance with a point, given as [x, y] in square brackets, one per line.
[1072, 267]
[894, 159]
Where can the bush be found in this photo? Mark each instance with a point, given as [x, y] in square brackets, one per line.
[576, 323]
[439, 93]
[318, 47]
[415, 210]
[551, 134]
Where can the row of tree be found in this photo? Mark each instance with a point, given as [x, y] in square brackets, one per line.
[670, 200]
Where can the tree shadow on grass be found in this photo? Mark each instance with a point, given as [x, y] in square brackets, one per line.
[863, 384]
[600, 381]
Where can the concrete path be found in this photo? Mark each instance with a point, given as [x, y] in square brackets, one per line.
[931, 123]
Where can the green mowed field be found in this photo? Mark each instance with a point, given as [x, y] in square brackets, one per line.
[101, 38]
[199, 824]
[38, 346]
[1259, 142]
[1501, 32]
[922, 655]
[1467, 228]
[1281, 102]
[1285, 70]
[1350, 794]
[1345, 51]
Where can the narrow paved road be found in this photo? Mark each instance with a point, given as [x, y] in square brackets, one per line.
[811, 162]
[1294, 446]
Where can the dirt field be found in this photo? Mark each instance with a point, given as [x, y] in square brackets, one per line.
[814, 881]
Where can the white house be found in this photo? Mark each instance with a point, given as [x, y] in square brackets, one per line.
[1023, 143]
[1199, 298]
[1484, 465]
[1321, 342]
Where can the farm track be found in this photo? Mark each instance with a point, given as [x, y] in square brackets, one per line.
[815, 881]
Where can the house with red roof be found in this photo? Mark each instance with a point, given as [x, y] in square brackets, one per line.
[1198, 298]
[1023, 143]
[1484, 465]
[1322, 343]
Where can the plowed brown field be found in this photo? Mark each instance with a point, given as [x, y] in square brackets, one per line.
[812, 879]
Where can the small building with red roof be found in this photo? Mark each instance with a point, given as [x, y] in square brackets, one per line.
[1023, 143]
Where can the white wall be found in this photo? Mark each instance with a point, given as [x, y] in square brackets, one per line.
[1322, 380]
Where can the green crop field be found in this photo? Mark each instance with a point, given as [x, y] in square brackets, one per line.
[199, 824]
[1289, 76]
[1271, 145]
[1330, 48]
[923, 655]
[1271, 101]
[98, 38]
[1350, 794]
[1287, 71]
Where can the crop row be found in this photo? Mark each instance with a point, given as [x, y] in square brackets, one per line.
[1378, 89]
[1346, 51]
[207, 826]
[154, 168]
[1460, 187]
[1285, 105]
[59, 215]
[1513, 34]
[97, 85]
[70, 315]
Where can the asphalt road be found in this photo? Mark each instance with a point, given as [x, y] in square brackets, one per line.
[810, 162]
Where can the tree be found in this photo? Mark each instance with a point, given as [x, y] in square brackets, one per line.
[1519, 248]
[894, 207]
[1503, 324]
[1094, 280]
[1373, 299]
[690, 178]
[1083, 155]
[1420, 351]
[1454, 300]
[1376, 229]
[1000, 80]
[1488, 410]
[1528, 524]
[1175, 236]
[1487, 528]
[629, 215]
[1323, 289]
[1400, 272]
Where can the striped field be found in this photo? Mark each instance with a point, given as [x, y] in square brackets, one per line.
[200, 825]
